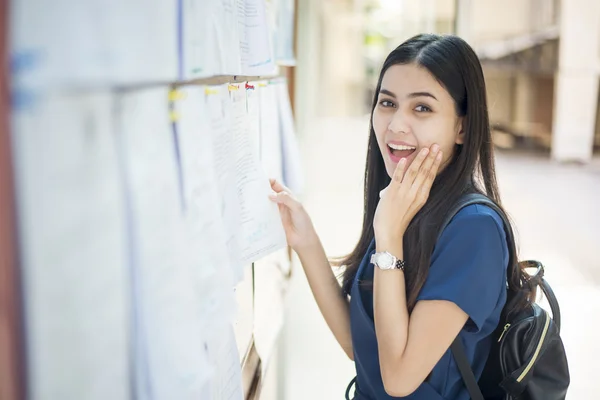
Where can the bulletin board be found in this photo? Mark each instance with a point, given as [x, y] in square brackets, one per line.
[11, 346]
[142, 258]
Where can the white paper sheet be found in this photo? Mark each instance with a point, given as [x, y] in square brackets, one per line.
[93, 43]
[200, 57]
[261, 231]
[284, 32]
[255, 48]
[270, 286]
[214, 274]
[220, 116]
[292, 164]
[244, 317]
[171, 360]
[72, 248]
[226, 383]
[253, 115]
[270, 132]
[224, 24]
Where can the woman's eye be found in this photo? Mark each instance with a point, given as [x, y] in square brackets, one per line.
[386, 103]
[422, 108]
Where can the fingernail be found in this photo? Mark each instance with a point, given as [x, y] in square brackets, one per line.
[439, 156]
[402, 161]
[424, 152]
[435, 148]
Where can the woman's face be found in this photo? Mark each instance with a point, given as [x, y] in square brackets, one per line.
[413, 112]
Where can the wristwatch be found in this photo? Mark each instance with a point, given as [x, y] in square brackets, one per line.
[385, 261]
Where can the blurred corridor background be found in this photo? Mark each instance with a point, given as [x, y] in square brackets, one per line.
[541, 61]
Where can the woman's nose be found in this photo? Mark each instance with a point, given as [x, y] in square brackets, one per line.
[399, 123]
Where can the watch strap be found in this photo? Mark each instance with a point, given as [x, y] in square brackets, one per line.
[400, 264]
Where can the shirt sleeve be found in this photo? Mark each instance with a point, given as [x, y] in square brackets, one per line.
[468, 265]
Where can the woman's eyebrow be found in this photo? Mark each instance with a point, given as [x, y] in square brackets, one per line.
[422, 94]
[410, 95]
[387, 92]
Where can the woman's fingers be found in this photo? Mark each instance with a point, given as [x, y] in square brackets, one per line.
[427, 173]
[282, 195]
[398, 173]
[275, 185]
[426, 166]
[286, 199]
[415, 166]
[278, 186]
[434, 168]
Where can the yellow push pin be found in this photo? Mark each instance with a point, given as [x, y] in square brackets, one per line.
[175, 95]
[173, 116]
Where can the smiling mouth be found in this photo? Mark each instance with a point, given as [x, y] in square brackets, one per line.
[398, 152]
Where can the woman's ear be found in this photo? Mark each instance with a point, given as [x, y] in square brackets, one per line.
[460, 131]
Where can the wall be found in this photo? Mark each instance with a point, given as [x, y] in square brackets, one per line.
[577, 81]
[500, 92]
[487, 20]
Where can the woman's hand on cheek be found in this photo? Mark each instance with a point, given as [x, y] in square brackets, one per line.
[405, 195]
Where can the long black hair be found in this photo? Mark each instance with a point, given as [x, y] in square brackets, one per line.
[456, 67]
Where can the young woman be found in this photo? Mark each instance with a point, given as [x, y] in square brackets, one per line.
[406, 294]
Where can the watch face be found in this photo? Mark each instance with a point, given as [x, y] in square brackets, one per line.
[385, 261]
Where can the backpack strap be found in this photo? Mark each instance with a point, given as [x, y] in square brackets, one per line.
[352, 383]
[551, 298]
[457, 348]
[477, 198]
[458, 351]
[538, 280]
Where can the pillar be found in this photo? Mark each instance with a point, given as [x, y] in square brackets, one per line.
[577, 80]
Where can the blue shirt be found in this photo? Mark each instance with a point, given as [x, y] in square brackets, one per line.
[468, 268]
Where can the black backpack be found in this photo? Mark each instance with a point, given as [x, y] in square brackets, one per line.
[527, 360]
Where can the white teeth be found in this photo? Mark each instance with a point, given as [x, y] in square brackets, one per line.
[401, 147]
